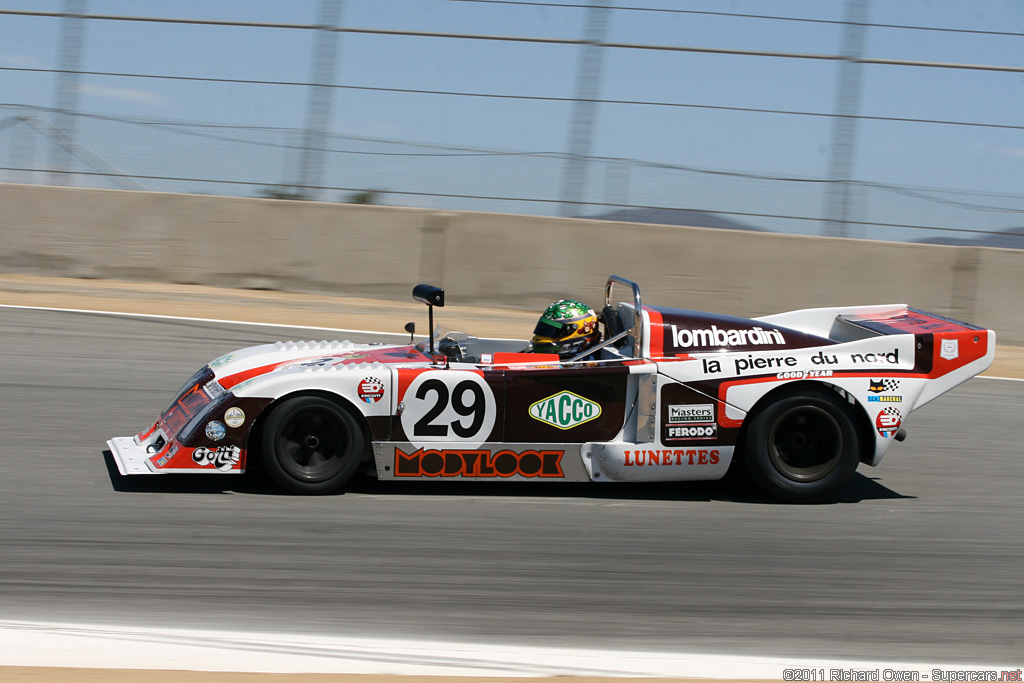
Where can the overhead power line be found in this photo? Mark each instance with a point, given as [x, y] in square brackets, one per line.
[535, 39]
[536, 98]
[741, 15]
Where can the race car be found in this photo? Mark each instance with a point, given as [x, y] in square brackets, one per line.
[800, 399]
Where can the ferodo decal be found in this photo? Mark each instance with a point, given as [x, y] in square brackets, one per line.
[888, 421]
[565, 410]
[691, 422]
[448, 405]
[479, 463]
[224, 458]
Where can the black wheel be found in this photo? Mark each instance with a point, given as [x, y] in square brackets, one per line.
[312, 445]
[803, 447]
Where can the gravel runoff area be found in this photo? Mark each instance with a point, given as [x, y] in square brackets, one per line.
[282, 308]
[314, 310]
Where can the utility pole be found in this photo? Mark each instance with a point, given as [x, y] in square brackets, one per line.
[584, 111]
[318, 107]
[844, 126]
[72, 31]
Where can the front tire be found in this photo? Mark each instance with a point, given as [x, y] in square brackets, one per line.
[803, 447]
[312, 445]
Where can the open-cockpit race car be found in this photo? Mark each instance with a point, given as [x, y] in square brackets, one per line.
[800, 398]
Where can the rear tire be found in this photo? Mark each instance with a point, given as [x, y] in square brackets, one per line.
[803, 447]
[312, 445]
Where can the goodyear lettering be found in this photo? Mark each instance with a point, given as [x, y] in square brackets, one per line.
[478, 463]
[565, 410]
[803, 374]
[716, 338]
[677, 456]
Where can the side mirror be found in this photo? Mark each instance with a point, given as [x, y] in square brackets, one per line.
[431, 296]
[411, 329]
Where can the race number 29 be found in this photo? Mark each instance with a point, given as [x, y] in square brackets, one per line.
[448, 405]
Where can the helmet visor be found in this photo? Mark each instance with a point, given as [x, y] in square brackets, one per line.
[553, 330]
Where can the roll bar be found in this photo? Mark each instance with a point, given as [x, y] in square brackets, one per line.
[636, 329]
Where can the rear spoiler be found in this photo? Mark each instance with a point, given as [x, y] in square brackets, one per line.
[908, 321]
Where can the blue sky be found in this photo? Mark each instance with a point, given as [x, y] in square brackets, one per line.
[953, 158]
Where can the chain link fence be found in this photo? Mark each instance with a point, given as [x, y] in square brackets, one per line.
[524, 153]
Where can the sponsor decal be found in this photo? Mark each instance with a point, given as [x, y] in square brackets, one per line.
[885, 399]
[892, 358]
[716, 337]
[478, 463]
[950, 349]
[242, 385]
[803, 374]
[234, 417]
[676, 456]
[888, 421]
[223, 360]
[215, 430]
[163, 461]
[371, 390]
[704, 412]
[709, 431]
[877, 386]
[213, 389]
[565, 410]
[224, 458]
[763, 363]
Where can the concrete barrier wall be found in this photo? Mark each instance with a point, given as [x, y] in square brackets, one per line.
[502, 260]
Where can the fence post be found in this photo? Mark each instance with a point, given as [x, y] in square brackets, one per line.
[66, 99]
[844, 126]
[584, 109]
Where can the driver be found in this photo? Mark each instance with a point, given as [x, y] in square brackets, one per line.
[568, 328]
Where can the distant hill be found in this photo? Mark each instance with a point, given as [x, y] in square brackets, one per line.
[696, 219]
[1014, 240]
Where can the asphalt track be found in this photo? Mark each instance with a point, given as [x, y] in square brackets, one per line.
[920, 560]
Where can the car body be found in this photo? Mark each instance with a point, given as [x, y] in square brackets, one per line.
[802, 398]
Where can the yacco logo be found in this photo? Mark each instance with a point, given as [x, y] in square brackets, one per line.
[478, 463]
[565, 410]
[716, 337]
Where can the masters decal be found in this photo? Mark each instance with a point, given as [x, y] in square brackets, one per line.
[565, 410]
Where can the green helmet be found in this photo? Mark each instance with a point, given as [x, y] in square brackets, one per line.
[567, 327]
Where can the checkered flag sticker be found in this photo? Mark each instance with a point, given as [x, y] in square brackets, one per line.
[888, 421]
[877, 386]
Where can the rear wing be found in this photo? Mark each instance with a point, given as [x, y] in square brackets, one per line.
[906, 320]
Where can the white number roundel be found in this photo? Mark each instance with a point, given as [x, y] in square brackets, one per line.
[448, 405]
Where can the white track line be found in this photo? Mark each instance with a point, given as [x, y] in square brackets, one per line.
[93, 646]
[200, 320]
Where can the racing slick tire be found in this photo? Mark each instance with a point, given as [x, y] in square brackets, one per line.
[803, 447]
[312, 445]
